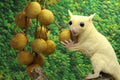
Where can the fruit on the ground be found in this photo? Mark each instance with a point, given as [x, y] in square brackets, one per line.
[25, 57]
[30, 68]
[39, 45]
[22, 21]
[19, 41]
[64, 35]
[45, 17]
[39, 59]
[50, 47]
[32, 9]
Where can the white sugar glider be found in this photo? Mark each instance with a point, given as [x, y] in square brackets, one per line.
[94, 45]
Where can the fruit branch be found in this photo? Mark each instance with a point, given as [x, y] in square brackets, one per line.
[15, 30]
[38, 74]
[59, 27]
[26, 26]
[44, 4]
[40, 45]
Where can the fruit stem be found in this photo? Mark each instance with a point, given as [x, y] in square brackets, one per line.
[44, 4]
[37, 25]
[59, 27]
[36, 54]
[15, 30]
[26, 24]
[38, 1]
[47, 29]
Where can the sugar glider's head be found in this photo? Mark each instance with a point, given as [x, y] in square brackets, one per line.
[78, 24]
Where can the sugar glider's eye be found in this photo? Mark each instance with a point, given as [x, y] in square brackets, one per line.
[82, 24]
[70, 22]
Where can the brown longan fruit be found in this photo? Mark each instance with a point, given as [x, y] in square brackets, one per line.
[19, 41]
[39, 45]
[64, 35]
[50, 47]
[25, 57]
[45, 17]
[22, 21]
[32, 9]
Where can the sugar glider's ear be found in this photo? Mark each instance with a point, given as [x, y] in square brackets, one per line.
[91, 17]
[70, 13]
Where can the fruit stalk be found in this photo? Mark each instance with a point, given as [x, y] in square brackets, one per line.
[26, 25]
[37, 23]
[38, 74]
[40, 45]
[44, 4]
[45, 33]
[15, 30]
[59, 27]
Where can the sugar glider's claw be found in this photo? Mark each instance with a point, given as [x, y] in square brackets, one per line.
[63, 43]
[67, 42]
[71, 41]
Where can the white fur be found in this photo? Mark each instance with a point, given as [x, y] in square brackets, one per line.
[95, 46]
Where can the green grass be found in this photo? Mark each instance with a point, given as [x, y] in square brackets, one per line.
[62, 64]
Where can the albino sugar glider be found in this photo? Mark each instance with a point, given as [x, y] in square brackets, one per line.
[94, 45]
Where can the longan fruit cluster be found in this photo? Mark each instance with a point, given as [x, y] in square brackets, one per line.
[41, 43]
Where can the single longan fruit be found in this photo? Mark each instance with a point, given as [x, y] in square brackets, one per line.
[22, 21]
[39, 45]
[32, 9]
[65, 35]
[45, 17]
[19, 41]
[50, 47]
[25, 57]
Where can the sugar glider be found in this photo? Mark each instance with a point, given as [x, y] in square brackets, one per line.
[94, 45]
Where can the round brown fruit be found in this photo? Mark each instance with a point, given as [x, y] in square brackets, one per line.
[45, 17]
[64, 35]
[39, 59]
[25, 57]
[32, 9]
[30, 68]
[50, 47]
[39, 45]
[19, 41]
[22, 21]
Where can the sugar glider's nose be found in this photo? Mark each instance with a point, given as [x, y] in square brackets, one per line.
[74, 31]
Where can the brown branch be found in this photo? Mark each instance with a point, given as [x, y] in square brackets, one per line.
[38, 74]
[36, 27]
[26, 25]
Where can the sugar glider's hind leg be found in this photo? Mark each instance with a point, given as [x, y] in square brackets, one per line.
[97, 64]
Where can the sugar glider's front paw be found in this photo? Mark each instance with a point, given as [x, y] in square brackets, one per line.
[67, 44]
[91, 76]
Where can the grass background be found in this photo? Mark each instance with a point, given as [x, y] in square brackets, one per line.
[62, 64]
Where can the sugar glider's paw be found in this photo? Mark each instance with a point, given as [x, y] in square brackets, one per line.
[67, 44]
[91, 76]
